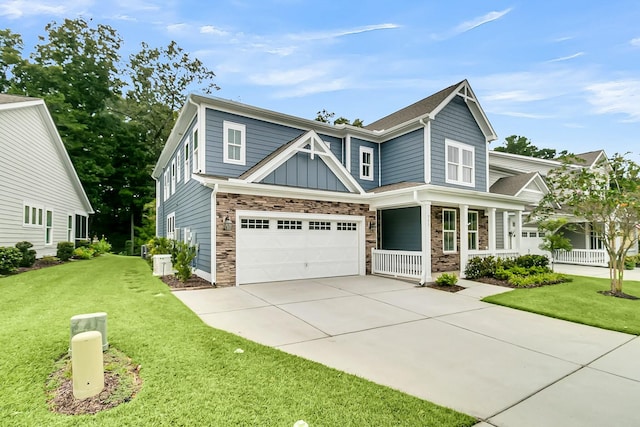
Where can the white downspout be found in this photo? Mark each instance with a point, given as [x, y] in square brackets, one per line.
[347, 152]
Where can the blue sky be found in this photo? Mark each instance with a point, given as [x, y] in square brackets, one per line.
[565, 74]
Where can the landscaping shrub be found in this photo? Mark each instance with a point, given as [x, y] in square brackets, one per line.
[159, 246]
[65, 251]
[101, 247]
[9, 259]
[184, 255]
[480, 267]
[532, 261]
[83, 244]
[538, 279]
[447, 279]
[630, 263]
[83, 253]
[28, 254]
[49, 260]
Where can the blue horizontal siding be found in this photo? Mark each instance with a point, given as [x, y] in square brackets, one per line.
[356, 143]
[403, 158]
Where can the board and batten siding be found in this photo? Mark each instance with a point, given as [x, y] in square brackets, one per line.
[191, 204]
[301, 171]
[456, 122]
[32, 171]
[403, 158]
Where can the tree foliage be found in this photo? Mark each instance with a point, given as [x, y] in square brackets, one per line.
[554, 239]
[607, 198]
[325, 116]
[521, 145]
[113, 118]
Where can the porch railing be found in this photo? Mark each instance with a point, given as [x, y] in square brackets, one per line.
[397, 263]
[498, 253]
[595, 257]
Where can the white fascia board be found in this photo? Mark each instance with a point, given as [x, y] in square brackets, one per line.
[21, 104]
[187, 113]
[541, 184]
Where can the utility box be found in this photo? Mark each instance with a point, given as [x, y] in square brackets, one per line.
[162, 265]
[91, 322]
[87, 364]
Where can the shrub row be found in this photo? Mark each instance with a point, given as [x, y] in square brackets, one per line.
[524, 271]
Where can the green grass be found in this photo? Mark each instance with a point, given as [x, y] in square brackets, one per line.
[191, 375]
[579, 301]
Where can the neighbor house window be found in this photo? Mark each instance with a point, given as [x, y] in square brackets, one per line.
[173, 176]
[69, 228]
[460, 163]
[48, 233]
[448, 230]
[171, 226]
[596, 240]
[82, 231]
[178, 165]
[167, 185]
[196, 155]
[234, 143]
[472, 230]
[32, 215]
[187, 172]
[366, 163]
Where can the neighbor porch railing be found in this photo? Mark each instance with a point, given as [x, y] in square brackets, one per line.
[397, 263]
[498, 253]
[594, 257]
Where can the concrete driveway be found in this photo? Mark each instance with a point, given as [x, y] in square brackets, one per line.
[506, 367]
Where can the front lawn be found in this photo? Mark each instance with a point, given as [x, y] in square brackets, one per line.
[191, 374]
[579, 301]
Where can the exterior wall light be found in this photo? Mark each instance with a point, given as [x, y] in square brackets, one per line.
[227, 224]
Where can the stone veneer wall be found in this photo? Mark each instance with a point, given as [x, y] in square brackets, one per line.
[440, 261]
[227, 204]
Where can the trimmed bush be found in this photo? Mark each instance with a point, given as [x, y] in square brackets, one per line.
[447, 279]
[9, 260]
[28, 254]
[101, 247]
[528, 261]
[185, 253]
[630, 263]
[65, 251]
[49, 260]
[83, 253]
[480, 267]
[538, 279]
[160, 246]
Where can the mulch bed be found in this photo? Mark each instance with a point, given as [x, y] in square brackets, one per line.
[39, 264]
[618, 295]
[446, 288]
[192, 283]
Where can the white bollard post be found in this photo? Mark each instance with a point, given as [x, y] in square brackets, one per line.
[87, 364]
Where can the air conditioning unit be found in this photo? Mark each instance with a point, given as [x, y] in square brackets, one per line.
[162, 265]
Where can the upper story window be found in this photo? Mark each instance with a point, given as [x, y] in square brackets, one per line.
[187, 172]
[448, 230]
[234, 143]
[366, 163]
[196, 151]
[173, 176]
[460, 160]
[178, 165]
[32, 215]
[166, 186]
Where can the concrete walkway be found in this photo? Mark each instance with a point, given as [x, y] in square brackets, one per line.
[503, 366]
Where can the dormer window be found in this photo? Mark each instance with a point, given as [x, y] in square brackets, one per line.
[366, 163]
[460, 160]
[234, 143]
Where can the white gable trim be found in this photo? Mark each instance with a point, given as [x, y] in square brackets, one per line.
[317, 147]
[538, 181]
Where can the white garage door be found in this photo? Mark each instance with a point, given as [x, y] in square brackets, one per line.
[297, 247]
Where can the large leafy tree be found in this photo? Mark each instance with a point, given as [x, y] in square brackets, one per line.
[607, 198]
[523, 146]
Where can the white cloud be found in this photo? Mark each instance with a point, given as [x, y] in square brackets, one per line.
[480, 20]
[288, 77]
[566, 58]
[317, 87]
[124, 18]
[616, 97]
[176, 28]
[138, 5]
[210, 29]
[340, 33]
[15, 9]
[516, 95]
[525, 115]
[635, 42]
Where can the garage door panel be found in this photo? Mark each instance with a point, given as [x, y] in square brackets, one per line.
[287, 254]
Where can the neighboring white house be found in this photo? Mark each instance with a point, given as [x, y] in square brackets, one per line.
[41, 198]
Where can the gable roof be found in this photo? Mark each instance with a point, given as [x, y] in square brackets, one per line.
[591, 157]
[317, 147]
[430, 106]
[513, 185]
[8, 102]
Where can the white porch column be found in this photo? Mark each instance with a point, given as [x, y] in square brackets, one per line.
[425, 222]
[506, 241]
[518, 231]
[464, 237]
[492, 230]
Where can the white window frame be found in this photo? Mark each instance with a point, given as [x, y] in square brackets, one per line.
[187, 171]
[34, 215]
[368, 173]
[226, 127]
[195, 149]
[459, 163]
[173, 176]
[454, 231]
[70, 229]
[178, 165]
[171, 226]
[473, 233]
[78, 227]
[48, 227]
[167, 185]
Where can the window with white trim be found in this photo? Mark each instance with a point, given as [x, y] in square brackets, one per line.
[252, 223]
[187, 172]
[171, 225]
[82, 230]
[460, 161]
[448, 230]
[167, 185]
[472, 221]
[70, 228]
[195, 160]
[319, 225]
[48, 230]
[289, 224]
[32, 216]
[234, 143]
[178, 165]
[366, 163]
[173, 176]
[346, 226]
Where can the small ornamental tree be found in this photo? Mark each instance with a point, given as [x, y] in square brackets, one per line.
[554, 238]
[607, 197]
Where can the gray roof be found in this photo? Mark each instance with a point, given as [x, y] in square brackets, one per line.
[589, 157]
[11, 99]
[511, 185]
[413, 111]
